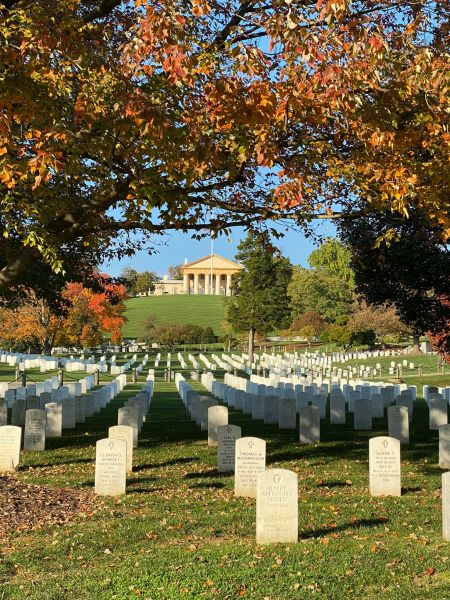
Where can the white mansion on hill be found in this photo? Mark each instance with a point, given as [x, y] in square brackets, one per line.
[210, 275]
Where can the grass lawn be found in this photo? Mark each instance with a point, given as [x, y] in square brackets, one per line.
[180, 533]
[198, 310]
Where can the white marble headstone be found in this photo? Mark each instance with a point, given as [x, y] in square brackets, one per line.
[446, 506]
[54, 419]
[125, 433]
[398, 423]
[384, 466]
[10, 438]
[438, 413]
[110, 467]
[226, 441]
[277, 507]
[250, 459]
[34, 436]
[444, 446]
[309, 425]
[217, 416]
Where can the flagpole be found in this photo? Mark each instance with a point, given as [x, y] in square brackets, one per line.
[212, 254]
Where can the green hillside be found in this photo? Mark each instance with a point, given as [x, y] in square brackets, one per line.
[199, 310]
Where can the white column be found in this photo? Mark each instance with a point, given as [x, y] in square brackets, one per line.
[185, 283]
[228, 288]
[195, 283]
[207, 276]
[218, 284]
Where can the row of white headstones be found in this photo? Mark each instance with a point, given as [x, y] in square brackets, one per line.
[276, 490]
[49, 421]
[276, 409]
[114, 454]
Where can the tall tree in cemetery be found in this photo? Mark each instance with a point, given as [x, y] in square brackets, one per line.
[327, 287]
[403, 262]
[122, 117]
[259, 302]
[83, 319]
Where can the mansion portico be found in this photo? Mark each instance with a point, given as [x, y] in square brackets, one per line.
[210, 275]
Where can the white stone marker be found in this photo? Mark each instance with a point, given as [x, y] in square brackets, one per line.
[217, 416]
[287, 415]
[80, 409]
[10, 396]
[125, 433]
[398, 423]
[54, 419]
[309, 425]
[258, 407]
[337, 410]
[271, 410]
[250, 459]
[3, 413]
[10, 438]
[247, 404]
[33, 402]
[44, 399]
[438, 413]
[384, 466]
[18, 412]
[446, 506]
[129, 415]
[408, 403]
[320, 400]
[362, 409]
[377, 406]
[444, 446]
[110, 467]
[204, 406]
[34, 436]
[277, 507]
[68, 413]
[239, 399]
[226, 441]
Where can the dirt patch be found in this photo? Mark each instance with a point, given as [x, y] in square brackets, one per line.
[26, 507]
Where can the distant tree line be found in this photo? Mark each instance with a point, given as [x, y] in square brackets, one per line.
[170, 335]
[144, 282]
[384, 281]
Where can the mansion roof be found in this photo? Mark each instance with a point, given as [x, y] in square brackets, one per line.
[218, 263]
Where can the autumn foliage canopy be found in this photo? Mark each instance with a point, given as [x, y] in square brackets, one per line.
[118, 117]
[88, 318]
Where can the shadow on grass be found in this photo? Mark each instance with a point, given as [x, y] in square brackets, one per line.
[56, 463]
[144, 490]
[207, 485]
[206, 475]
[360, 523]
[168, 463]
[411, 490]
[333, 484]
[140, 480]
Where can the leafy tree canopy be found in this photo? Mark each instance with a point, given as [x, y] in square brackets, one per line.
[402, 262]
[121, 117]
[327, 288]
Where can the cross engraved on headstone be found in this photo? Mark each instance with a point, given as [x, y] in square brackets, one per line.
[251, 444]
[385, 444]
[111, 445]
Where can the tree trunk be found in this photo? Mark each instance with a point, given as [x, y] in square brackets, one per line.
[251, 346]
[47, 347]
[416, 340]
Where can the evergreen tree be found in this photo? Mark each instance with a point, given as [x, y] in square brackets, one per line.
[259, 301]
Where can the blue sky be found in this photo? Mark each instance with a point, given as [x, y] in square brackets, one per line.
[178, 246]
